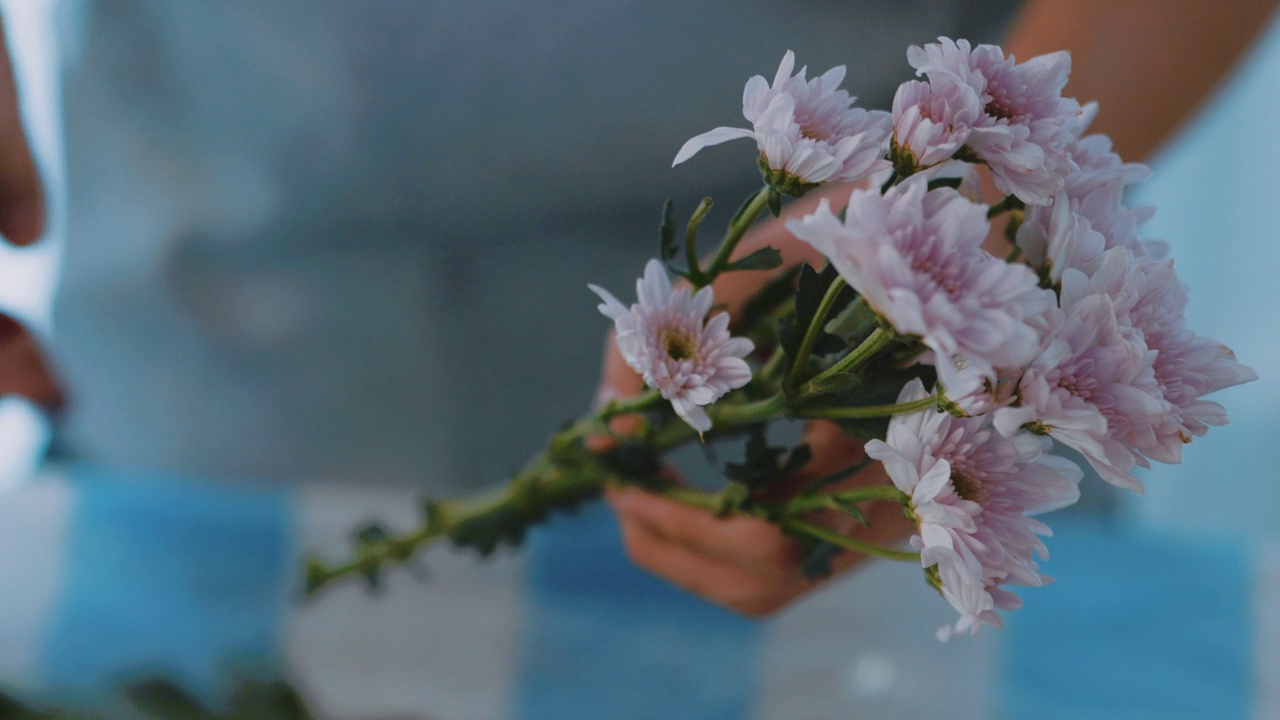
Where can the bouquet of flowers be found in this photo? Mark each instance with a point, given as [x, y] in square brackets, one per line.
[962, 369]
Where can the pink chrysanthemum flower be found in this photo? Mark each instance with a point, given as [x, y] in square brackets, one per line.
[663, 338]
[1096, 164]
[1187, 366]
[916, 257]
[807, 132]
[972, 492]
[931, 123]
[1094, 384]
[1057, 237]
[1088, 215]
[1022, 130]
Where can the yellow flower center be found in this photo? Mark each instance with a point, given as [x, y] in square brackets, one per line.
[966, 487]
[679, 346]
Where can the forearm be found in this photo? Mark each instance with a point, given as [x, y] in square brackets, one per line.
[1149, 63]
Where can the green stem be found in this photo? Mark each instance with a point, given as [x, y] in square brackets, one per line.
[541, 485]
[859, 356]
[639, 403]
[848, 543]
[839, 475]
[868, 411]
[691, 241]
[733, 236]
[815, 328]
[747, 413]
[770, 368]
[694, 498]
[862, 494]
[598, 424]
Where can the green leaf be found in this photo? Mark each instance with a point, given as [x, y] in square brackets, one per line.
[268, 700]
[816, 557]
[839, 475]
[12, 709]
[507, 525]
[775, 201]
[853, 324]
[878, 384]
[850, 509]
[836, 383]
[164, 699]
[766, 301]
[763, 259]
[764, 464]
[634, 461]
[811, 287]
[742, 209]
[667, 231]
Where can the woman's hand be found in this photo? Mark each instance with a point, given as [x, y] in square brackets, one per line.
[744, 564]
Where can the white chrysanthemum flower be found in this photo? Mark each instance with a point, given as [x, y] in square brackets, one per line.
[972, 492]
[807, 132]
[663, 337]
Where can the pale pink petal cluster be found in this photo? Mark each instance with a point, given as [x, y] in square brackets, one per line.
[1088, 215]
[663, 337]
[915, 256]
[931, 123]
[1121, 378]
[972, 492]
[1023, 124]
[1187, 367]
[807, 131]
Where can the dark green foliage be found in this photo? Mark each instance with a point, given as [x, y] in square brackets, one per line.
[839, 475]
[370, 536]
[763, 259]
[12, 709]
[162, 699]
[764, 464]
[766, 301]
[742, 209]
[879, 384]
[775, 201]
[816, 557]
[634, 461]
[811, 287]
[667, 231]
